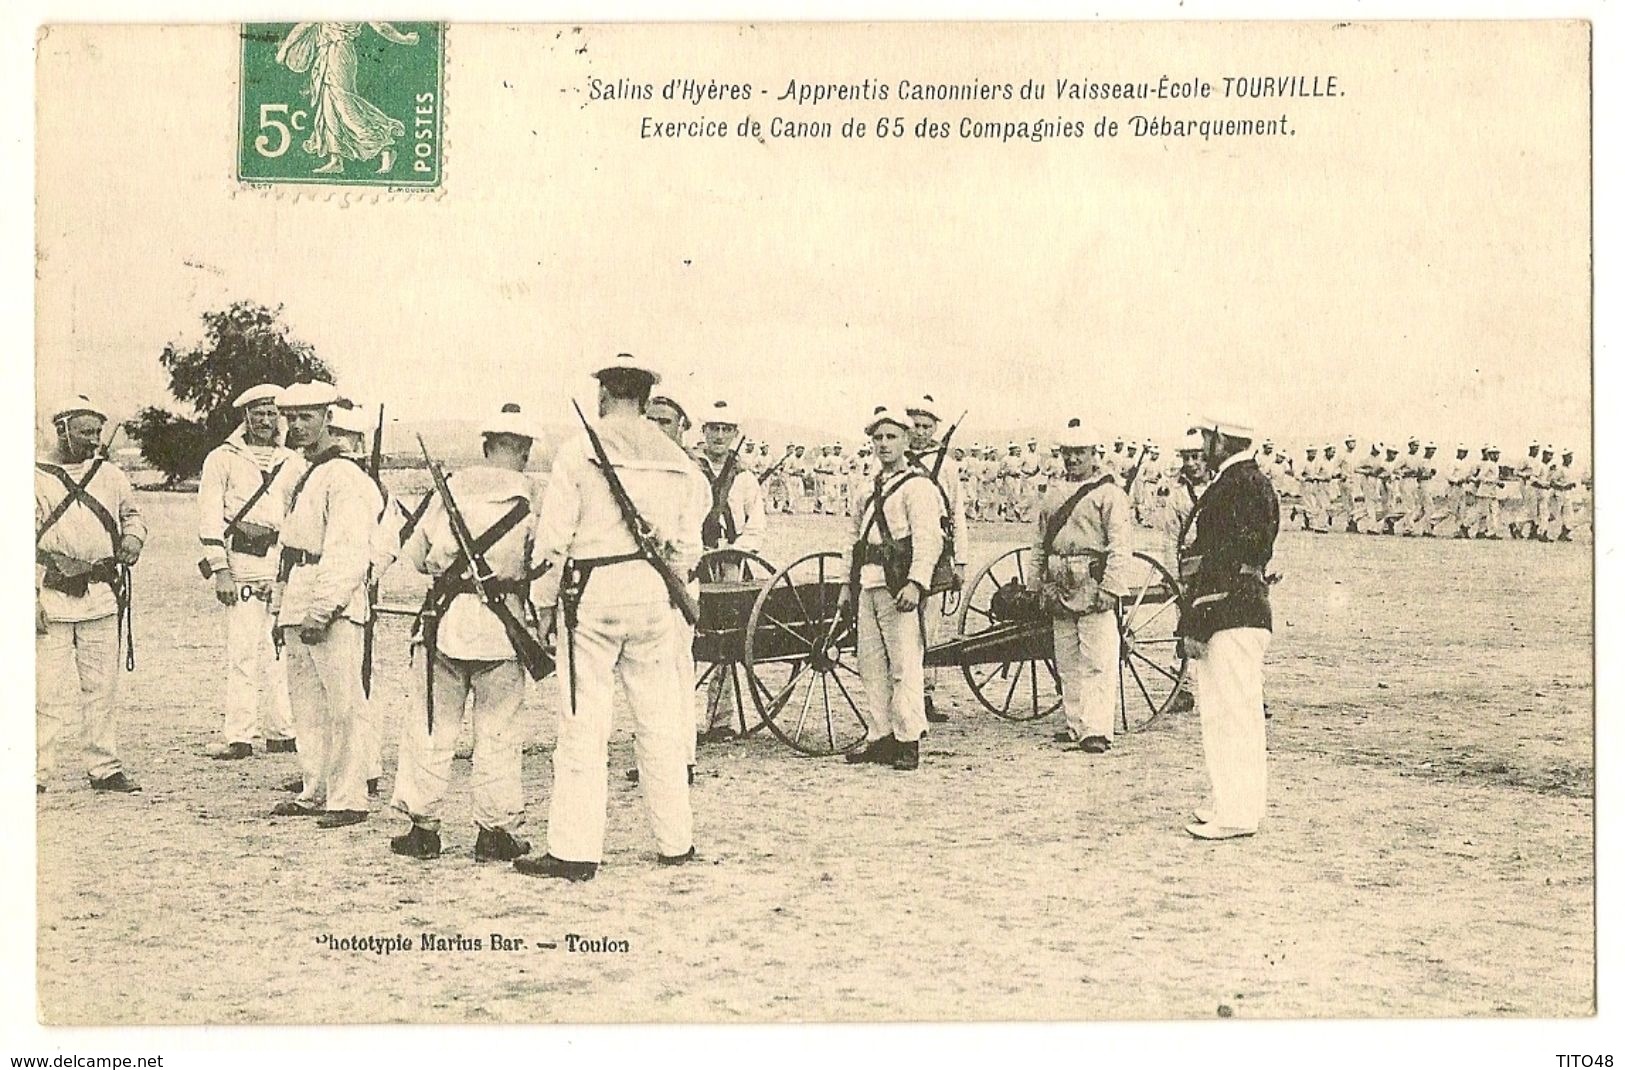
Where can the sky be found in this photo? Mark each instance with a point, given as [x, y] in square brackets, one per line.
[1414, 260]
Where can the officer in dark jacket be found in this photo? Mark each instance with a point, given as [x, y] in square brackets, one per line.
[1226, 627]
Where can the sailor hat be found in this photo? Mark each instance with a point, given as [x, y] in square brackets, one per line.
[626, 362]
[351, 418]
[925, 406]
[671, 403]
[77, 405]
[306, 396]
[1227, 427]
[1192, 442]
[887, 414]
[720, 415]
[511, 419]
[263, 392]
[1073, 437]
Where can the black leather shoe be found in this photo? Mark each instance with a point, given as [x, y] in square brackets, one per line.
[372, 787]
[548, 866]
[634, 776]
[1095, 745]
[295, 785]
[677, 860]
[295, 808]
[931, 713]
[337, 819]
[722, 734]
[907, 757]
[281, 746]
[499, 845]
[1065, 735]
[117, 782]
[878, 752]
[418, 842]
[1183, 700]
[39, 789]
[232, 752]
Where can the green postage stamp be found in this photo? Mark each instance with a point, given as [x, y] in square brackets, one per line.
[342, 104]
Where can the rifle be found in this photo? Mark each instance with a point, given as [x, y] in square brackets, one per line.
[936, 469]
[642, 533]
[718, 510]
[774, 470]
[532, 655]
[374, 462]
[950, 598]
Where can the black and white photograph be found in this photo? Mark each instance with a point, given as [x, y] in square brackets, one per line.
[766, 522]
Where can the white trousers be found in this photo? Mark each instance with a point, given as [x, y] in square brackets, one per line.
[254, 675]
[891, 661]
[498, 691]
[1229, 681]
[75, 676]
[324, 691]
[640, 644]
[1086, 651]
[719, 705]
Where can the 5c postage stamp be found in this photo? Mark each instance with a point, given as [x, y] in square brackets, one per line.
[342, 104]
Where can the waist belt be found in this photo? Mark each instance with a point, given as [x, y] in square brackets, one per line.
[291, 559]
[465, 585]
[78, 586]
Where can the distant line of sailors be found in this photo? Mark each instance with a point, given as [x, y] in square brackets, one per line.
[1379, 490]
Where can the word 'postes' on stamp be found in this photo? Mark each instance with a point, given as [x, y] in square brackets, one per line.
[342, 103]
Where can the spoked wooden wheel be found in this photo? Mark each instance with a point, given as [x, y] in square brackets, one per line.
[799, 658]
[1014, 677]
[730, 563]
[722, 684]
[1152, 664]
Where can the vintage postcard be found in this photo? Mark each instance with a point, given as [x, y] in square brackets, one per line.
[814, 522]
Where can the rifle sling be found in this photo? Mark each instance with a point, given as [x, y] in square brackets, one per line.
[452, 581]
[1058, 519]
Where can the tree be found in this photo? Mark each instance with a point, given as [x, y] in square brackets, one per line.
[242, 346]
[172, 444]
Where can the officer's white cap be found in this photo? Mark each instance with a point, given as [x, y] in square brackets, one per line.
[306, 396]
[77, 405]
[889, 414]
[1224, 426]
[511, 419]
[263, 392]
[720, 415]
[354, 419]
[626, 362]
[926, 405]
[1074, 438]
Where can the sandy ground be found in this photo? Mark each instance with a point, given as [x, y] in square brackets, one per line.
[1428, 851]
